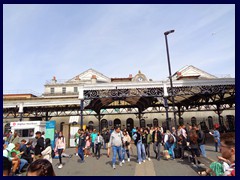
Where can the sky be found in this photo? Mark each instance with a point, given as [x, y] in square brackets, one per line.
[62, 40]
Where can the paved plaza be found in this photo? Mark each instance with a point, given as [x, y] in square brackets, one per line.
[103, 167]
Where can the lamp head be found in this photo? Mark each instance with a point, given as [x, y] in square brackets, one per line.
[168, 32]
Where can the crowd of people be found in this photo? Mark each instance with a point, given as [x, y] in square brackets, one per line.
[37, 158]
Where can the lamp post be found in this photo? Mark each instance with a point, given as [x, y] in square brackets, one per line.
[165, 95]
[20, 111]
[170, 76]
[81, 98]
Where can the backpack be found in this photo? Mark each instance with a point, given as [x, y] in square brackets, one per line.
[171, 138]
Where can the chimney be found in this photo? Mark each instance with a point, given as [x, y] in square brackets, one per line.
[77, 78]
[130, 76]
[54, 80]
[179, 74]
[94, 79]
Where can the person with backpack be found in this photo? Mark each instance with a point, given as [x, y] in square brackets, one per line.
[141, 153]
[47, 152]
[170, 141]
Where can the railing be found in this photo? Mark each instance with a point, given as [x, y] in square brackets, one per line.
[223, 75]
[22, 91]
[62, 81]
[60, 94]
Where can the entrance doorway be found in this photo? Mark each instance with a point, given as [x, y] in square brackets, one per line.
[210, 122]
[90, 125]
[193, 121]
[155, 122]
[104, 124]
[130, 124]
[142, 123]
[117, 123]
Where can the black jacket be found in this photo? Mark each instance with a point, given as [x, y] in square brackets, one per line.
[82, 141]
[39, 146]
[201, 137]
[159, 136]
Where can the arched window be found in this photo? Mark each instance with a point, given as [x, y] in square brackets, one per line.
[181, 121]
[104, 123]
[142, 123]
[117, 122]
[155, 122]
[193, 121]
[61, 126]
[129, 124]
[90, 125]
[210, 122]
[231, 122]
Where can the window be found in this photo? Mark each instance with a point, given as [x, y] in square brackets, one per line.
[75, 89]
[210, 122]
[64, 90]
[25, 132]
[52, 90]
[193, 121]
[155, 122]
[142, 123]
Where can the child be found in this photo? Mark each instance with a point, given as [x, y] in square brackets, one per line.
[87, 146]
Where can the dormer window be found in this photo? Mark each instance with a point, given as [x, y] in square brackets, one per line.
[52, 90]
[64, 90]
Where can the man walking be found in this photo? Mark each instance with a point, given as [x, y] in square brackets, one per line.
[81, 145]
[115, 142]
[157, 139]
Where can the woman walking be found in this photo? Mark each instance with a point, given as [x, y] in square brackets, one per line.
[126, 146]
[60, 146]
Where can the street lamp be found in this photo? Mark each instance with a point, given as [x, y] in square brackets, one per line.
[165, 95]
[81, 98]
[170, 76]
[20, 111]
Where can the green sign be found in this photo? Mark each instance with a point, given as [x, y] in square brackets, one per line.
[50, 129]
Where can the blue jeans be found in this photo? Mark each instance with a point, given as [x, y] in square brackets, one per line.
[202, 148]
[156, 149]
[80, 153]
[23, 162]
[141, 152]
[170, 147]
[217, 144]
[116, 149]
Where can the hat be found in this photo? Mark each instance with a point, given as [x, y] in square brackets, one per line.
[216, 126]
[38, 132]
[10, 147]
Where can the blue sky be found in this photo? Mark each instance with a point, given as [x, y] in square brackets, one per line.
[42, 41]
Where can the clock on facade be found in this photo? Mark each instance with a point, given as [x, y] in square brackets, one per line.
[140, 79]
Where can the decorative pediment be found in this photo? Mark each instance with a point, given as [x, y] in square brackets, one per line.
[90, 74]
[191, 72]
